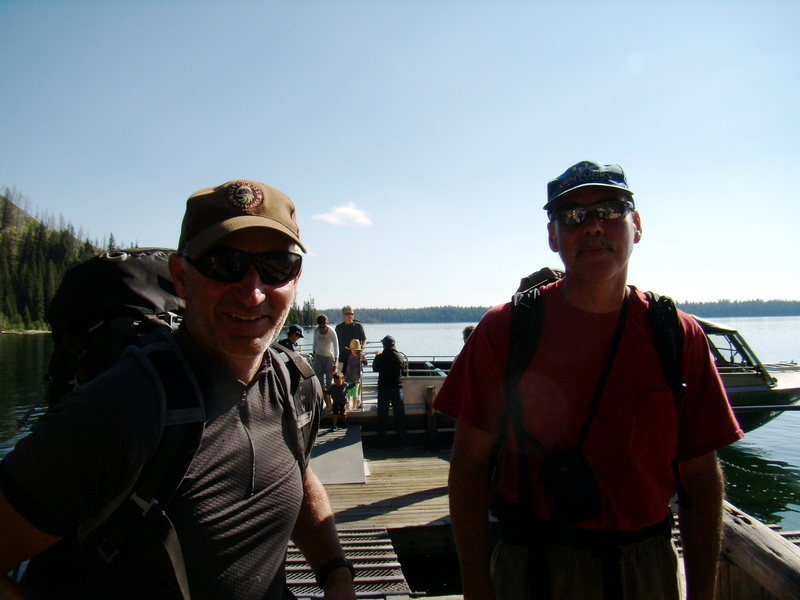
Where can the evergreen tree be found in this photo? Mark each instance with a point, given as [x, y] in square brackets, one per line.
[295, 314]
[33, 259]
[5, 212]
[309, 318]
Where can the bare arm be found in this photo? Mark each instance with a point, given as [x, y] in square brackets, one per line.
[316, 537]
[469, 508]
[19, 540]
[701, 524]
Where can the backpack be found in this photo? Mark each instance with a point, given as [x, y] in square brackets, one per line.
[526, 325]
[124, 303]
[102, 306]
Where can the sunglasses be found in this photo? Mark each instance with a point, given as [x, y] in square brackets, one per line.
[608, 210]
[229, 265]
[348, 314]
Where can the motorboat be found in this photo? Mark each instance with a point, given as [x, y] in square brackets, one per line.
[758, 392]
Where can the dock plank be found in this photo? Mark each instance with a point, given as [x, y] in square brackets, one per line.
[403, 488]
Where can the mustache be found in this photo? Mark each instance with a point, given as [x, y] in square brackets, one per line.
[594, 243]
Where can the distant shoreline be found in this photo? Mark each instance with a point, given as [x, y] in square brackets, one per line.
[721, 309]
[459, 314]
[24, 332]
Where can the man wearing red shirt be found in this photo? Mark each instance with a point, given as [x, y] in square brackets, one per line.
[636, 436]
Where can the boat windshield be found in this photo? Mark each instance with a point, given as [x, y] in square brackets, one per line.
[729, 352]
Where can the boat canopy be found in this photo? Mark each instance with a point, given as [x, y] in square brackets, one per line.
[711, 327]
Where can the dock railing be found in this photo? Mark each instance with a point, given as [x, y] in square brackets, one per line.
[756, 562]
[422, 379]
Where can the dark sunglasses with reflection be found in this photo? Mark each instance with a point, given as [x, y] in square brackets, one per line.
[608, 210]
[229, 265]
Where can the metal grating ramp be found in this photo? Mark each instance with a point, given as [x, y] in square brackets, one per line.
[378, 572]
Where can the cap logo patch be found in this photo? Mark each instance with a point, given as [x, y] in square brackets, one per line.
[584, 173]
[245, 196]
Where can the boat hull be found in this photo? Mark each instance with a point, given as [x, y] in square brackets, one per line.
[749, 394]
[757, 392]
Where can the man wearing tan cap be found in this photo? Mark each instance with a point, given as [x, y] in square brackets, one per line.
[247, 492]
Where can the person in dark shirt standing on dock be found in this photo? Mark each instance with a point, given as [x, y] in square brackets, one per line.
[347, 331]
[389, 364]
[629, 457]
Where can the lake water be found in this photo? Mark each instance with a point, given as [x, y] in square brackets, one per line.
[762, 470]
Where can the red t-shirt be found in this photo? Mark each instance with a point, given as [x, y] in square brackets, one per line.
[636, 432]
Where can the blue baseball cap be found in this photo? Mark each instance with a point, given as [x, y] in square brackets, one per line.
[583, 174]
[295, 328]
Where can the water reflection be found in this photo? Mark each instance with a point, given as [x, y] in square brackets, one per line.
[762, 486]
[23, 359]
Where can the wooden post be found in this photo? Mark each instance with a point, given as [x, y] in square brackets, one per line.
[430, 415]
[750, 549]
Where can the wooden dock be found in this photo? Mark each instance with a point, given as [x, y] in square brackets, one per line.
[398, 509]
[403, 488]
[402, 506]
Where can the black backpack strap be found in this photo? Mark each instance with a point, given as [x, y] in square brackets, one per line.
[525, 329]
[182, 420]
[302, 397]
[668, 337]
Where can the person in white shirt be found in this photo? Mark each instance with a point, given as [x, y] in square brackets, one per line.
[326, 352]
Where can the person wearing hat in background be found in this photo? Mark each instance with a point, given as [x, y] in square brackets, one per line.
[246, 493]
[293, 334]
[389, 364]
[642, 443]
[348, 330]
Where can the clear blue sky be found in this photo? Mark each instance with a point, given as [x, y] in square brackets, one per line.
[417, 137]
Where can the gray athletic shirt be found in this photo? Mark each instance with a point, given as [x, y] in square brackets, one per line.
[234, 511]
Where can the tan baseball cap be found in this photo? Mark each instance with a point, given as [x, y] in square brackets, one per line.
[213, 213]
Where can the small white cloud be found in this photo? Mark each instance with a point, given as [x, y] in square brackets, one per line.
[345, 215]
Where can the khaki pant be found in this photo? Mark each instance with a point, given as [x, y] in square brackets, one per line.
[649, 570]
